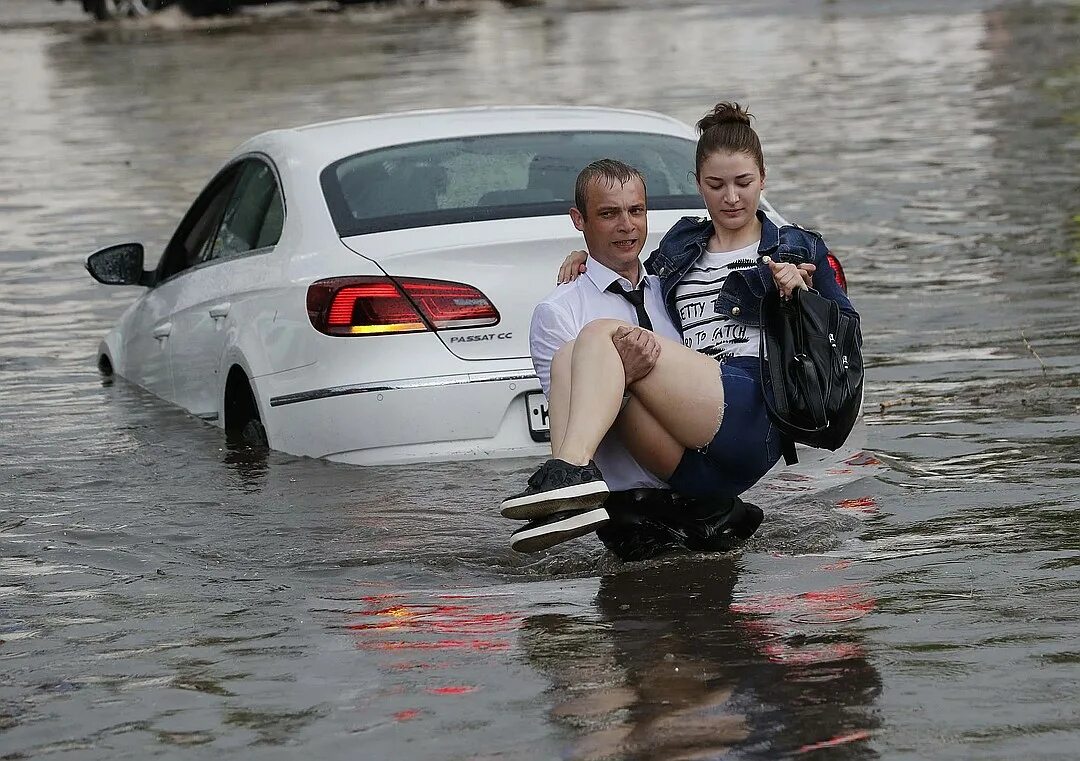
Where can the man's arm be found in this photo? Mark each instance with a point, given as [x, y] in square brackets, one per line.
[551, 329]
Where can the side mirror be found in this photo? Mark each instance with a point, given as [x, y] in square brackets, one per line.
[119, 265]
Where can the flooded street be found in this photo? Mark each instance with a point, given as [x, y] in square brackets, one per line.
[165, 596]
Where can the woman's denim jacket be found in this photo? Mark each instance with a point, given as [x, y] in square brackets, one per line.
[741, 295]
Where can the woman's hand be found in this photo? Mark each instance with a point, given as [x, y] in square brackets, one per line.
[572, 266]
[789, 277]
[638, 349]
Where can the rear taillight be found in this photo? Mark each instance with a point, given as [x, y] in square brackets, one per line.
[350, 306]
[838, 271]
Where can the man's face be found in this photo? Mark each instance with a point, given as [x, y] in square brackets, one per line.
[615, 224]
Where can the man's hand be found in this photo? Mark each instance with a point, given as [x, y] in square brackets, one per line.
[639, 351]
[572, 266]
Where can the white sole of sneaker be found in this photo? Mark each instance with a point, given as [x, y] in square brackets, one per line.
[548, 535]
[535, 506]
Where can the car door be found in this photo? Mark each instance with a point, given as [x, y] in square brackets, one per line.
[145, 348]
[149, 328]
[234, 266]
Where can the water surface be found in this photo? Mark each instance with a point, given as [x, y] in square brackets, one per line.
[162, 595]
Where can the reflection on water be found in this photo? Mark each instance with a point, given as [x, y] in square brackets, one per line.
[166, 591]
[676, 666]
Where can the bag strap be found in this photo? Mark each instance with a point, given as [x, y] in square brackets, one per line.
[787, 444]
[787, 448]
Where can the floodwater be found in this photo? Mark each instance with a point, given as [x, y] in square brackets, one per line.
[165, 596]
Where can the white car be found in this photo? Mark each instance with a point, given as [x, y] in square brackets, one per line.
[361, 290]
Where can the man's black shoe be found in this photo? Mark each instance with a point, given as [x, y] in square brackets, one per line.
[555, 487]
[719, 525]
[555, 528]
[646, 523]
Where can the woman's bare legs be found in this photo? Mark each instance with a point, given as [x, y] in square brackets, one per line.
[647, 441]
[682, 394]
[559, 395]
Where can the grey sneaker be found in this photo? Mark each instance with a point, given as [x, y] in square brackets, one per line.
[557, 486]
[555, 528]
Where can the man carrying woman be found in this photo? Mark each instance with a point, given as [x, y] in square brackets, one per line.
[693, 417]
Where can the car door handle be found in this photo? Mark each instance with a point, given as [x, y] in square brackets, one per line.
[219, 311]
[163, 331]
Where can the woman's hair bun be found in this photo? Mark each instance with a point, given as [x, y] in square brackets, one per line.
[724, 113]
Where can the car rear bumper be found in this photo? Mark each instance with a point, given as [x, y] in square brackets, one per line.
[449, 417]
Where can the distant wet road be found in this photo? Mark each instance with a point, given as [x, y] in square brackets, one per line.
[164, 596]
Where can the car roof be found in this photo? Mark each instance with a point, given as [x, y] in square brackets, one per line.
[324, 142]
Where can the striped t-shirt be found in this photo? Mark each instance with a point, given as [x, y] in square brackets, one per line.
[703, 329]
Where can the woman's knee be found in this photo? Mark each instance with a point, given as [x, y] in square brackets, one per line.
[602, 328]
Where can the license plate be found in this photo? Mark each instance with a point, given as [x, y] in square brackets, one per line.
[539, 426]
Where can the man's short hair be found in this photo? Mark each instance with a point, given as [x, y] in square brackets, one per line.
[608, 170]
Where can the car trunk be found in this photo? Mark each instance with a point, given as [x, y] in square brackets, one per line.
[513, 262]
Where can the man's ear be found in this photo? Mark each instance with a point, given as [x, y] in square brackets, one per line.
[578, 218]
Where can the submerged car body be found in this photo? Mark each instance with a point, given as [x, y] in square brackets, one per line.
[362, 289]
[105, 10]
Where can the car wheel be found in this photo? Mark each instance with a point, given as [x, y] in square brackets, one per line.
[243, 426]
[199, 8]
[253, 434]
[106, 10]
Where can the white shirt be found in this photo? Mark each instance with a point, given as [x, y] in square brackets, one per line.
[559, 318]
[705, 330]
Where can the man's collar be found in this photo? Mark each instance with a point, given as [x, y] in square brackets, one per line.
[603, 276]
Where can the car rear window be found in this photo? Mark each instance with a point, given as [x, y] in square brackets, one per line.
[488, 177]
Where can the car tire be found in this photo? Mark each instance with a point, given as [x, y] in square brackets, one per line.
[107, 10]
[243, 425]
[253, 434]
[200, 8]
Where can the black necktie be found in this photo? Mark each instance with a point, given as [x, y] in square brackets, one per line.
[637, 298]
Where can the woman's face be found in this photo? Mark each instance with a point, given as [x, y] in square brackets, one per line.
[731, 185]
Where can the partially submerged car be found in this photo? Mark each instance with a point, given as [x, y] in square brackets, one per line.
[361, 290]
[105, 10]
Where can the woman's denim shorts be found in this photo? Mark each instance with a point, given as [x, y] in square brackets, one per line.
[743, 450]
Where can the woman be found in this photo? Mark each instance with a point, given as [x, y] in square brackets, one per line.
[697, 419]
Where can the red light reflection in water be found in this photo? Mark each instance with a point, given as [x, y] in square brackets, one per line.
[780, 613]
[463, 689]
[441, 619]
[862, 458]
[412, 624]
[859, 505]
[442, 644]
[862, 734]
[809, 655]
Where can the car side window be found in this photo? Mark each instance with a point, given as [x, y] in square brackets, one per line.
[195, 235]
[253, 217]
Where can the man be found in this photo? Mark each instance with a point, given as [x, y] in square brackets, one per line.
[610, 211]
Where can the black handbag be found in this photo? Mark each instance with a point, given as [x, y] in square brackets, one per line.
[811, 359]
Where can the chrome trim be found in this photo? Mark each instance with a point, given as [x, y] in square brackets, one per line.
[366, 388]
